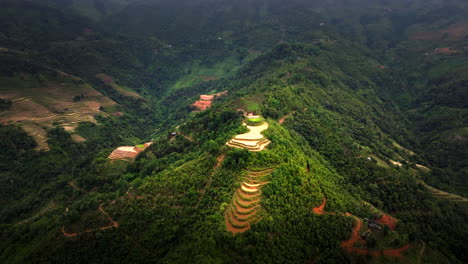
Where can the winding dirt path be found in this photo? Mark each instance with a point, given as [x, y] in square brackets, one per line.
[50, 207]
[348, 245]
[114, 224]
[219, 161]
[388, 220]
[421, 253]
[320, 209]
[187, 137]
[281, 120]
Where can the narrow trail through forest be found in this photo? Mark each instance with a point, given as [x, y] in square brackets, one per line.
[113, 224]
[50, 207]
[281, 120]
[219, 161]
[421, 252]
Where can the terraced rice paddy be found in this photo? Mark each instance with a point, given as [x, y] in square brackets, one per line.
[128, 152]
[244, 209]
[36, 109]
[252, 140]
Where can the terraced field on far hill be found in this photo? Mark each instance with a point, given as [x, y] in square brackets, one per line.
[37, 106]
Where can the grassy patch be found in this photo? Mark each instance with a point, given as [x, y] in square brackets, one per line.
[250, 103]
[198, 73]
[380, 162]
[254, 121]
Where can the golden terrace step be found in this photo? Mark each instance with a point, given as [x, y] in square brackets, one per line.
[246, 201]
[261, 172]
[248, 139]
[244, 217]
[243, 211]
[258, 147]
[254, 143]
[252, 140]
[251, 185]
[233, 229]
[249, 190]
[242, 202]
[246, 196]
[235, 222]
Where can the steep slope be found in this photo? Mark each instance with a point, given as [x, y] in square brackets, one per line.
[319, 151]
[342, 134]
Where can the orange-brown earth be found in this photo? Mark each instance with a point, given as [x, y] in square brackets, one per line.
[349, 245]
[320, 210]
[41, 106]
[206, 100]
[281, 120]
[388, 220]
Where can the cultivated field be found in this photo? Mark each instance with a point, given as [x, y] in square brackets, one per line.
[37, 106]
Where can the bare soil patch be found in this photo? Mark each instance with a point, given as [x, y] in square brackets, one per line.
[128, 152]
[206, 100]
[281, 121]
[320, 210]
[77, 138]
[219, 161]
[389, 221]
[349, 245]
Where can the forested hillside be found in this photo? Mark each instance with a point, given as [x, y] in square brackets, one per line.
[362, 155]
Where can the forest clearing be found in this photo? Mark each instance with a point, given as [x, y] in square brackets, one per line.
[128, 152]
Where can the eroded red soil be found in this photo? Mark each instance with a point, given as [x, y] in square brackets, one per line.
[220, 160]
[320, 209]
[389, 221]
[349, 246]
[281, 121]
[206, 100]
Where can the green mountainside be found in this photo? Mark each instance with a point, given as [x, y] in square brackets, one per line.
[364, 156]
